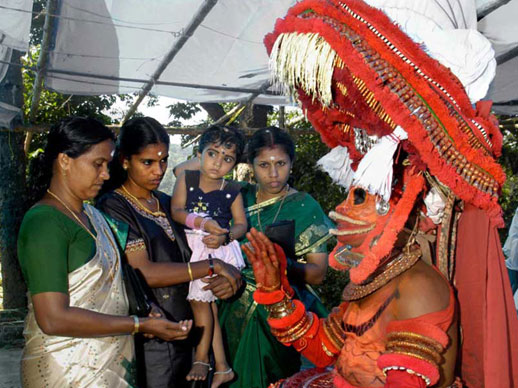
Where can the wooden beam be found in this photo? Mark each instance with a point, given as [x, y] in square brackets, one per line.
[193, 131]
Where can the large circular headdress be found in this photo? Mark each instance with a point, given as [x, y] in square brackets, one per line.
[364, 85]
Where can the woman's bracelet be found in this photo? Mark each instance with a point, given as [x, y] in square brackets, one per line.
[136, 325]
[189, 270]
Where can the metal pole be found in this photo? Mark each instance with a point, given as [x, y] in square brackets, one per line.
[200, 15]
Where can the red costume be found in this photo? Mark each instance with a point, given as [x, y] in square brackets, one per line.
[413, 153]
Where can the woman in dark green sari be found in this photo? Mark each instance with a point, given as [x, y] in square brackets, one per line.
[257, 358]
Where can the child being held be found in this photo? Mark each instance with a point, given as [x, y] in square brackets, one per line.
[206, 203]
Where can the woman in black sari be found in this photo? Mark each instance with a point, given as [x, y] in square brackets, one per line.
[157, 246]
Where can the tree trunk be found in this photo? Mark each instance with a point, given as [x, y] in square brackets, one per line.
[214, 110]
[12, 192]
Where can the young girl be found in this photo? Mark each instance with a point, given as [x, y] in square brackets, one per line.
[205, 202]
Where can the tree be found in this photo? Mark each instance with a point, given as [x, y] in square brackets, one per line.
[12, 190]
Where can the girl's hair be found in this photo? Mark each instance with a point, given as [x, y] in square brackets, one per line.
[72, 136]
[267, 138]
[221, 135]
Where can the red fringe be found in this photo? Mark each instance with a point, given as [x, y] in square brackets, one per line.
[331, 131]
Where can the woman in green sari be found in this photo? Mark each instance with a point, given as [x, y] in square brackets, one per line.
[257, 358]
[77, 330]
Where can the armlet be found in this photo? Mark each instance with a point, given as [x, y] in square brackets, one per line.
[415, 347]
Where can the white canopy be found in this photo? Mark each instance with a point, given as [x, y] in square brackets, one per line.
[210, 50]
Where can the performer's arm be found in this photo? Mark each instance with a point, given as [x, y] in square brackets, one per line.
[319, 340]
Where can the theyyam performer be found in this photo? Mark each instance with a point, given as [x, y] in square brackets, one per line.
[393, 87]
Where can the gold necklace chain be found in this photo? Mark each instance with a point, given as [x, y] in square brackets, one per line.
[73, 213]
[287, 190]
[398, 265]
[137, 201]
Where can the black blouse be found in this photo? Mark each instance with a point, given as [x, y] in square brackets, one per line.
[164, 241]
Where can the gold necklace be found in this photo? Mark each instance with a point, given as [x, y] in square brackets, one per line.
[287, 190]
[397, 266]
[137, 201]
[73, 213]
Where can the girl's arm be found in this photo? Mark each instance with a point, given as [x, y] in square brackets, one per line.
[179, 213]
[239, 225]
[238, 229]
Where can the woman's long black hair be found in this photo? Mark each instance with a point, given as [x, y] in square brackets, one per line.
[72, 136]
[134, 136]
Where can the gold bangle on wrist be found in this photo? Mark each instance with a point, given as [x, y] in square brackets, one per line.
[136, 325]
[189, 270]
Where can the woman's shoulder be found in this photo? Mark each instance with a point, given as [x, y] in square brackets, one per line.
[45, 219]
[308, 201]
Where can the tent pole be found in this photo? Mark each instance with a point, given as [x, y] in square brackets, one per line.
[198, 18]
[41, 67]
[489, 7]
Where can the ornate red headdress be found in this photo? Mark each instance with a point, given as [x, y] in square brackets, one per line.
[370, 90]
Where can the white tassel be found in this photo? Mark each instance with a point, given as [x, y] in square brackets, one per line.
[338, 165]
[374, 172]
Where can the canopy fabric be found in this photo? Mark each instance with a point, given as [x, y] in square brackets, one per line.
[501, 28]
[110, 46]
[128, 40]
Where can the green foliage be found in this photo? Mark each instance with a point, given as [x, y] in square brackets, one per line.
[182, 111]
[509, 161]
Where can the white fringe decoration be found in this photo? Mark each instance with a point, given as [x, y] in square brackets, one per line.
[374, 172]
[435, 205]
[338, 165]
[304, 60]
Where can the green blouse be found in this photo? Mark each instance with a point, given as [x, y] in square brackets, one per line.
[50, 246]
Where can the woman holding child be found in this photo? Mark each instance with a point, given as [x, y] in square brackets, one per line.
[256, 357]
[157, 246]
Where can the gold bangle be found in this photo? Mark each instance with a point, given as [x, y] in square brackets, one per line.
[136, 325]
[190, 271]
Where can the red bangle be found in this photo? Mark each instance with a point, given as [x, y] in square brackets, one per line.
[211, 267]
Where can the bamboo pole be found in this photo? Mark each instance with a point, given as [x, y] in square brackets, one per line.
[41, 67]
[200, 15]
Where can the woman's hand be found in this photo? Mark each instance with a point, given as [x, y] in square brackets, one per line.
[227, 281]
[165, 329]
[213, 228]
[214, 241]
[265, 261]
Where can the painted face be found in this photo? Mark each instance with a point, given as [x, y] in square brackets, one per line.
[86, 174]
[217, 160]
[147, 168]
[360, 220]
[272, 169]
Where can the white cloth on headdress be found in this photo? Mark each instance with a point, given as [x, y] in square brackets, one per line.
[447, 29]
[337, 164]
[374, 173]
[434, 205]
